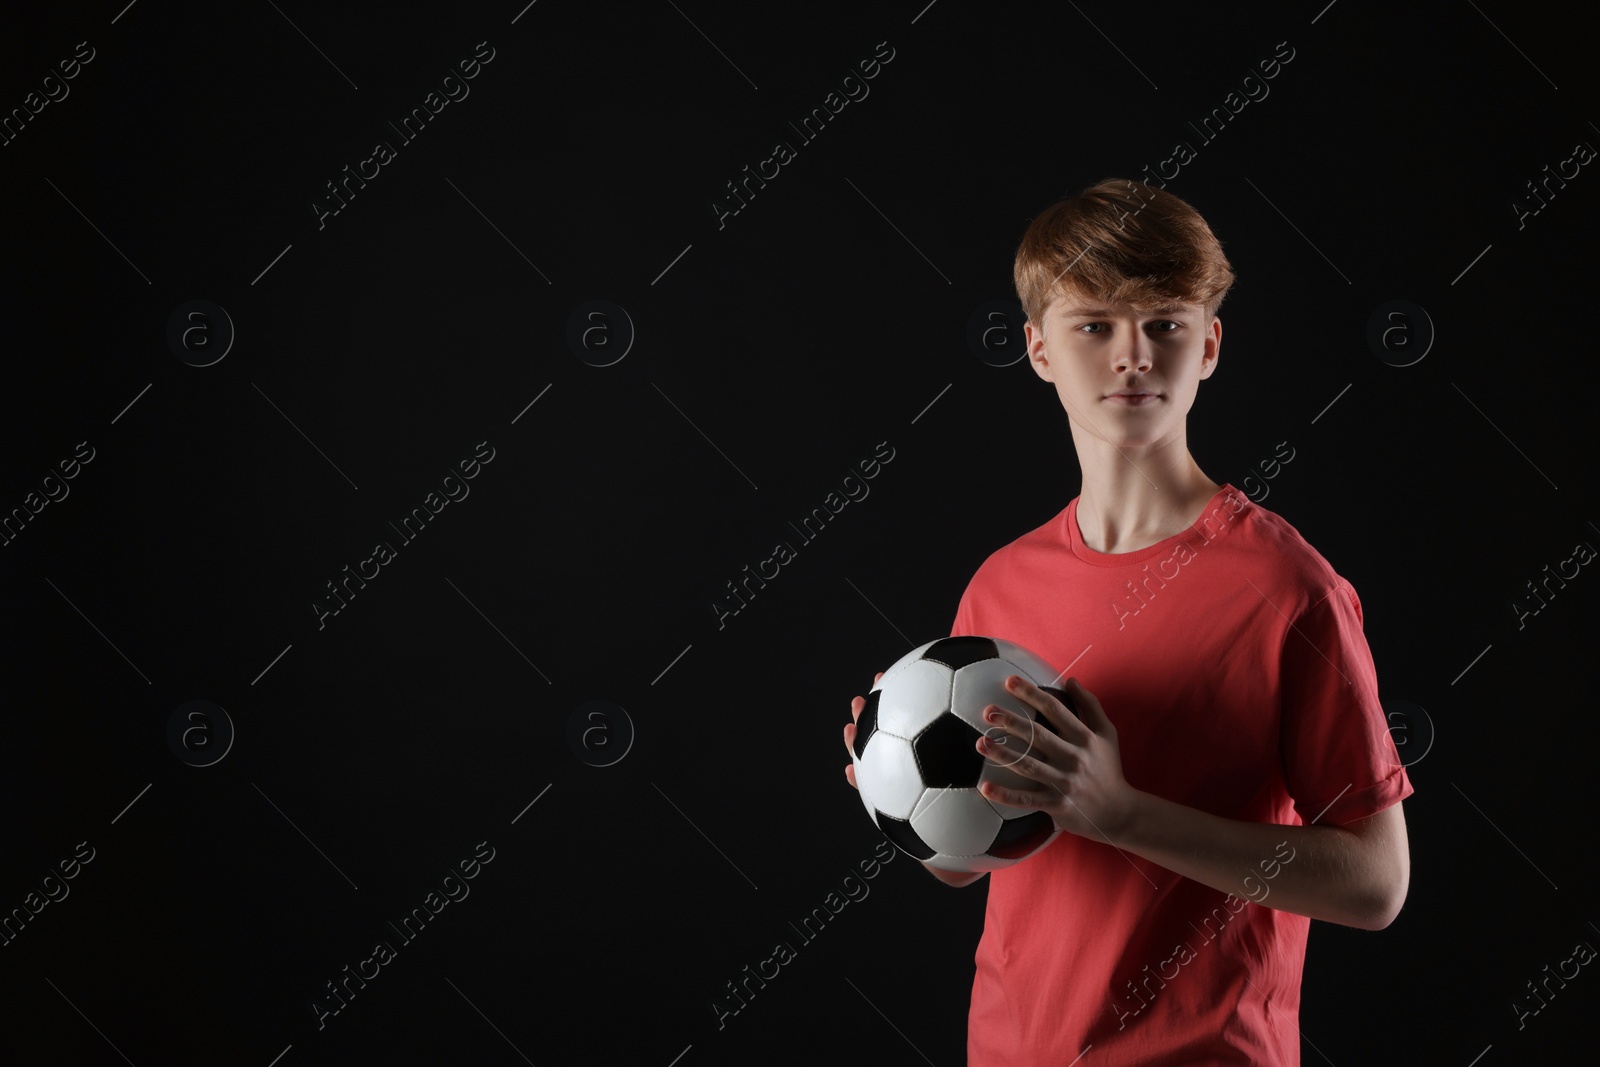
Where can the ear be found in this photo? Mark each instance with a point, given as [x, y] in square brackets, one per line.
[1213, 348]
[1034, 339]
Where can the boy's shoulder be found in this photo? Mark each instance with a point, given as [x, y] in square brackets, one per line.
[1283, 565]
[1269, 534]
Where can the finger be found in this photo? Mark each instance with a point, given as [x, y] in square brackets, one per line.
[1067, 726]
[1089, 709]
[1016, 798]
[1015, 736]
[850, 776]
[1009, 735]
[856, 706]
[1018, 755]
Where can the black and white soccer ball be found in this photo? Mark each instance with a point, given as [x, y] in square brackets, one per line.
[916, 761]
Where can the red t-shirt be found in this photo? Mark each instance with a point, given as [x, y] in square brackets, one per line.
[1231, 660]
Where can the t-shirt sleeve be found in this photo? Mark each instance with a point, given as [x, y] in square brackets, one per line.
[962, 627]
[1340, 763]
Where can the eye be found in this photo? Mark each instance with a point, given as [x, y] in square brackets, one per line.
[1162, 322]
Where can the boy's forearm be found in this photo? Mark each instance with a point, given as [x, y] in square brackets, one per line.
[1324, 872]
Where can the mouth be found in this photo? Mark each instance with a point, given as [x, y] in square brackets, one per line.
[1134, 399]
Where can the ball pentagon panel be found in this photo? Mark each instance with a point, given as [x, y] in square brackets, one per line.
[947, 753]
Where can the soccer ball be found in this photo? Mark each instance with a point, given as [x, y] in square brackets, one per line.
[916, 761]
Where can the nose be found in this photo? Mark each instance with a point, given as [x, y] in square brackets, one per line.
[1133, 352]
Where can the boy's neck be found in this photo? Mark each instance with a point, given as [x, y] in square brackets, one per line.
[1138, 503]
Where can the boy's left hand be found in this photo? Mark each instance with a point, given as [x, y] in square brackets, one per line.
[1079, 772]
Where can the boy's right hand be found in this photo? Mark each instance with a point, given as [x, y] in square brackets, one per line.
[850, 735]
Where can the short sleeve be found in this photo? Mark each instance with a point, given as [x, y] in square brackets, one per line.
[964, 625]
[1339, 761]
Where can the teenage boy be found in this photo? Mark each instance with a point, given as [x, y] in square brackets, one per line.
[1228, 775]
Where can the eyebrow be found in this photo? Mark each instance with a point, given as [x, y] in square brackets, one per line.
[1084, 313]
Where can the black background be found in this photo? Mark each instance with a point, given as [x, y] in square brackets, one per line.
[772, 355]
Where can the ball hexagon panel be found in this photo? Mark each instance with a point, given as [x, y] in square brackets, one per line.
[910, 657]
[958, 823]
[887, 776]
[980, 684]
[1030, 666]
[984, 861]
[919, 693]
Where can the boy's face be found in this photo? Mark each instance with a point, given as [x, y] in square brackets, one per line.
[1092, 350]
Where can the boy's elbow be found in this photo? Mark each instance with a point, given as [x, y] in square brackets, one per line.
[1390, 910]
[1379, 917]
[1384, 905]
[1389, 857]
